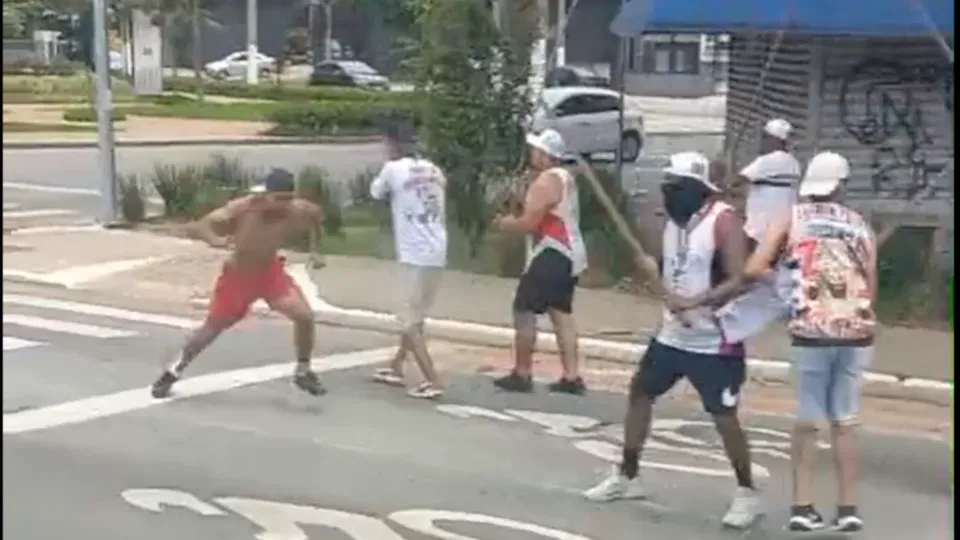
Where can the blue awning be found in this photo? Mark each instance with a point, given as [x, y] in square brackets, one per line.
[824, 17]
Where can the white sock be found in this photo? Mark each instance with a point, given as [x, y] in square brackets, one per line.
[177, 366]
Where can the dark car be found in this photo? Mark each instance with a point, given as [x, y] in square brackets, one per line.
[348, 73]
[575, 76]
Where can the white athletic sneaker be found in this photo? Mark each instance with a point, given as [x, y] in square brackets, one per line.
[616, 486]
[744, 509]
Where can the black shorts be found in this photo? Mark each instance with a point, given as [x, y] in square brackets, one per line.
[716, 377]
[547, 284]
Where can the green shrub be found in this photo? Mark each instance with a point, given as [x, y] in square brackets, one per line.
[58, 88]
[314, 183]
[909, 290]
[597, 226]
[337, 117]
[284, 93]
[36, 66]
[133, 207]
[89, 114]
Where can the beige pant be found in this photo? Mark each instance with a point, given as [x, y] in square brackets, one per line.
[418, 290]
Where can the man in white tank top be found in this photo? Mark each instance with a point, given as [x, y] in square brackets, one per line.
[704, 248]
[556, 256]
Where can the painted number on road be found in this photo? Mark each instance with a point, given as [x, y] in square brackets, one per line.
[284, 521]
[668, 435]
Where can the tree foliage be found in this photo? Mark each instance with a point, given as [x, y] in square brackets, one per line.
[474, 75]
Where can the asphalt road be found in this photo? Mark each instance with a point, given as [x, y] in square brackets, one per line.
[239, 453]
[67, 179]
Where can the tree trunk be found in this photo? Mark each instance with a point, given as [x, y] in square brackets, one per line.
[197, 50]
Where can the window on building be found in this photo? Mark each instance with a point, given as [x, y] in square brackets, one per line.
[665, 54]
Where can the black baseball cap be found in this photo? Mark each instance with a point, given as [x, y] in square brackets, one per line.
[276, 181]
[400, 132]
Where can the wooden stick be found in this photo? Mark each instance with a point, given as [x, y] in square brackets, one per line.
[644, 261]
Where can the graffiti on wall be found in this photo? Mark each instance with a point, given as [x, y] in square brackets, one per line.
[886, 106]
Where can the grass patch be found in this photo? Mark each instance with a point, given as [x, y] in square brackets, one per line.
[27, 127]
[58, 88]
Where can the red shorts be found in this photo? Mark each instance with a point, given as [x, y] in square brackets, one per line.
[237, 289]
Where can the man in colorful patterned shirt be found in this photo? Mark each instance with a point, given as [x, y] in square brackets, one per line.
[832, 253]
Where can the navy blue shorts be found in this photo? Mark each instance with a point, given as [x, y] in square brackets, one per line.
[716, 377]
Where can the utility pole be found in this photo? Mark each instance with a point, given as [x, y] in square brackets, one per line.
[328, 19]
[105, 156]
[253, 67]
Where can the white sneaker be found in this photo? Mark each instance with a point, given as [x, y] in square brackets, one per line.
[616, 486]
[744, 509]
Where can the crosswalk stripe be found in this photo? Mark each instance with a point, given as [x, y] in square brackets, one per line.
[98, 311]
[26, 214]
[88, 330]
[12, 343]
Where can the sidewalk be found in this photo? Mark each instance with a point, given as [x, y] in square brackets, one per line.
[150, 266]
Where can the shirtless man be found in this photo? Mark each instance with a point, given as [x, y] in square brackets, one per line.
[254, 228]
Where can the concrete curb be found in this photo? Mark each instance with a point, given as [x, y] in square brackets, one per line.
[242, 141]
[259, 141]
[875, 384]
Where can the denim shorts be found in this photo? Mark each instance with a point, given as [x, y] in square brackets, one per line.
[828, 382]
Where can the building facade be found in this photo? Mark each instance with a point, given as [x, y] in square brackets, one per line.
[884, 103]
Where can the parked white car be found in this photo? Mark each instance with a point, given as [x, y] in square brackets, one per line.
[587, 118]
[235, 65]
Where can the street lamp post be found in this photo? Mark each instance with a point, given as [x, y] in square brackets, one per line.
[106, 155]
[252, 64]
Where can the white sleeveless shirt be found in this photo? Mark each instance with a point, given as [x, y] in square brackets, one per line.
[688, 255]
[560, 228]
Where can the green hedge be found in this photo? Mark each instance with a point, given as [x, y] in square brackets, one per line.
[337, 117]
[33, 66]
[89, 114]
[285, 93]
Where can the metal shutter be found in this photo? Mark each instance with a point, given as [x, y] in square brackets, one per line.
[887, 106]
[784, 91]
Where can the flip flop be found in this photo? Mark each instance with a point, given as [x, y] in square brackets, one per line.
[425, 390]
[388, 376]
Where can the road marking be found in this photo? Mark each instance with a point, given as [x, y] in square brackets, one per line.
[10, 207]
[46, 188]
[12, 343]
[26, 214]
[104, 406]
[286, 521]
[66, 327]
[57, 229]
[76, 275]
[99, 311]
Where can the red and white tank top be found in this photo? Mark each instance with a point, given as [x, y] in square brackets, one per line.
[559, 230]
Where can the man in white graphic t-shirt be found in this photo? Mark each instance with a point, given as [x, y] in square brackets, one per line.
[416, 190]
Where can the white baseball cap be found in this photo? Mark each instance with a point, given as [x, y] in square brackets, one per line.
[691, 165]
[824, 173]
[548, 141]
[778, 128]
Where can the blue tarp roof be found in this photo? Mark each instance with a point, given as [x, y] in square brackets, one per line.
[843, 17]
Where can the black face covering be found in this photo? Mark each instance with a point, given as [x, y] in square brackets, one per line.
[683, 197]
